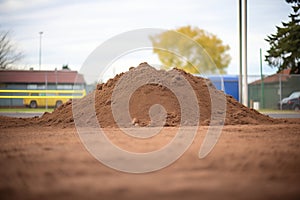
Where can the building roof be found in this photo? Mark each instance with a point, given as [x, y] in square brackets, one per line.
[31, 76]
[274, 78]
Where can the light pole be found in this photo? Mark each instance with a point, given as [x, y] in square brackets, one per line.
[243, 79]
[245, 54]
[240, 53]
[40, 53]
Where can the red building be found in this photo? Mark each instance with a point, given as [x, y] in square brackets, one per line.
[38, 80]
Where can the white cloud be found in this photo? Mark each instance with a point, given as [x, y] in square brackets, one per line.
[7, 6]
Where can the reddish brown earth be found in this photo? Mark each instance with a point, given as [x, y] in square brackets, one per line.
[141, 100]
[256, 157]
[248, 162]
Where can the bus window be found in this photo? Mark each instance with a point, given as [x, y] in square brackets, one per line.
[51, 94]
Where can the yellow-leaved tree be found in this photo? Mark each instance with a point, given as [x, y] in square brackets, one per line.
[191, 49]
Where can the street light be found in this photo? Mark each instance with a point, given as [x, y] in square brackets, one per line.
[40, 65]
[40, 53]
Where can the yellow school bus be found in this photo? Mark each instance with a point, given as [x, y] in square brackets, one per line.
[43, 98]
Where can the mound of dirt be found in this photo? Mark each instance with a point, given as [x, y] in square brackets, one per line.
[100, 102]
[144, 97]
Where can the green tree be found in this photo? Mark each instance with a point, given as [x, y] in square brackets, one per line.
[293, 1]
[66, 67]
[184, 52]
[284, 52]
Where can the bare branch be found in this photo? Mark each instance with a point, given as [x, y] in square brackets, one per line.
[9, 55]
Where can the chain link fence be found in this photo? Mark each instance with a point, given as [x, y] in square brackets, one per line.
[269, 91]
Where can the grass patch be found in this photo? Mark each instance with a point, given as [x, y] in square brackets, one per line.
[26, 110]
[276, 111]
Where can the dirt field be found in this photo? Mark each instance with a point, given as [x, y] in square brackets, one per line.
[256, 157]
[248, 162]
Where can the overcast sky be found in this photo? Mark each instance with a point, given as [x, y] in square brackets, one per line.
[73, 29]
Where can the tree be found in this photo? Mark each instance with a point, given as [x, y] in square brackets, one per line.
[191, 49]
[284, 52]
[66, 67]
[8, 53]
[293, 1]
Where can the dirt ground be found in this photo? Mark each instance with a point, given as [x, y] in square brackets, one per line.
[256, 157]
[248, 162]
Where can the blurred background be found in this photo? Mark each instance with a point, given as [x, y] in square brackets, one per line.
[56, 37]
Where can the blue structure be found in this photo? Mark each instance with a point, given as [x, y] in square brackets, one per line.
[227, 83]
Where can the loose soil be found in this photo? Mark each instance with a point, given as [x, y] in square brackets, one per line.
[248, 162]
[100, 102]
[256, 157]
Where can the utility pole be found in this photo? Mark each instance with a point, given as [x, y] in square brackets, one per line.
[40, 52]
[240, 54]
[243, 75]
